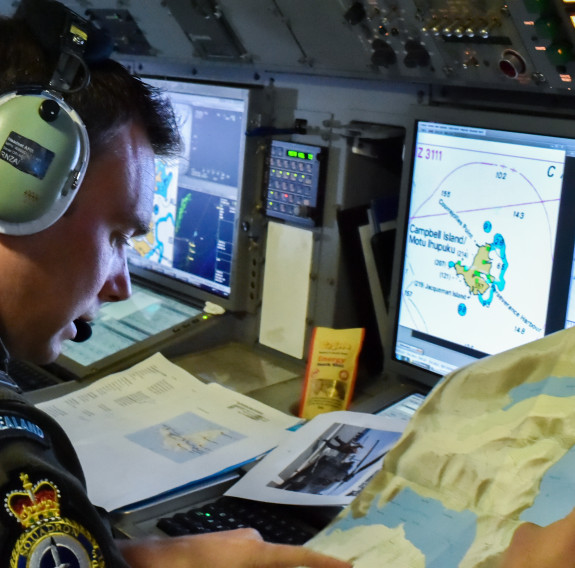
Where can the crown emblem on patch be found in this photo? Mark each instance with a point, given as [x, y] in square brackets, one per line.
[37, 503]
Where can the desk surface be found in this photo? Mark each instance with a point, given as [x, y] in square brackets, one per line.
[277, 380]
[270, 378]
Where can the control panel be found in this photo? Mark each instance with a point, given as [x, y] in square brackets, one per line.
[516, 44]
[526, 45]
[294, 189]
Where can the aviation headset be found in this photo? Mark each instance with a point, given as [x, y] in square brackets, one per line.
[44, 147]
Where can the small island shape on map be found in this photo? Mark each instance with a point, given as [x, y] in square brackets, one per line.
[486, 271]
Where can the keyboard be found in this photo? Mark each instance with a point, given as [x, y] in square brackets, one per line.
[31, 377]
[228, 513]
[205, 508]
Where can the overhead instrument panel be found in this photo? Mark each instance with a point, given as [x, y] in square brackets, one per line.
[519, 44]
[523, 45]
[515, 44]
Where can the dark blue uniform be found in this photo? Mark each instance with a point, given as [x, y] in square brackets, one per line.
[47, 520]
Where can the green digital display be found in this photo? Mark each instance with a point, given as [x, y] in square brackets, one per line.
[300, 155]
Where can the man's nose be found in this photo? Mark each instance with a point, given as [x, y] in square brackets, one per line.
[118, 286]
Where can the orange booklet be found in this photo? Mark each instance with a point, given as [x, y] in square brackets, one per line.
[331, 370]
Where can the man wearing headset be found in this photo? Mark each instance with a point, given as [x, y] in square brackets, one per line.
[59, 263]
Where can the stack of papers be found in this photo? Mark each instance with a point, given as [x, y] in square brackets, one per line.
[155, 428]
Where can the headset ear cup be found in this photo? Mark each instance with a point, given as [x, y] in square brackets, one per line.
[44, 153]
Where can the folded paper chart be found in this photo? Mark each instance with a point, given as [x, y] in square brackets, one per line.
[492, 446]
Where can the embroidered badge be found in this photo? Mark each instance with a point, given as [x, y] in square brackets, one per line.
[12, 425]
[48, 540]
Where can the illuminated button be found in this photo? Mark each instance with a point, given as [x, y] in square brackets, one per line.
[560, 53]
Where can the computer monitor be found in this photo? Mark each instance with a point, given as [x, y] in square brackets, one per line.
[203, 200]
[484, 250]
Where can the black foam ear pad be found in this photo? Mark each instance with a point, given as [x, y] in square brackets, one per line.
[44, 153]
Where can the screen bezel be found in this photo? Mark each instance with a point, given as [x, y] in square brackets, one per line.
[476, 118]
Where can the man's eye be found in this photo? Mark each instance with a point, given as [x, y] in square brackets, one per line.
[120, 241]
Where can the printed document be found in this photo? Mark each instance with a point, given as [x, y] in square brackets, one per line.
[325, 462]
[154, 428]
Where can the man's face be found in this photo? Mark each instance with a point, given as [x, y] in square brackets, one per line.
[66, 272]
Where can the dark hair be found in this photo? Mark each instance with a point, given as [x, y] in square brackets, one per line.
[112, 98]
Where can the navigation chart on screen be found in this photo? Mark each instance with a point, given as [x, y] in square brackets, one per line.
[158, 245]
[481, 234]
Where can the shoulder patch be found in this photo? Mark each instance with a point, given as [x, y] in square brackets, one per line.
[15, 425]
[48, 539]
